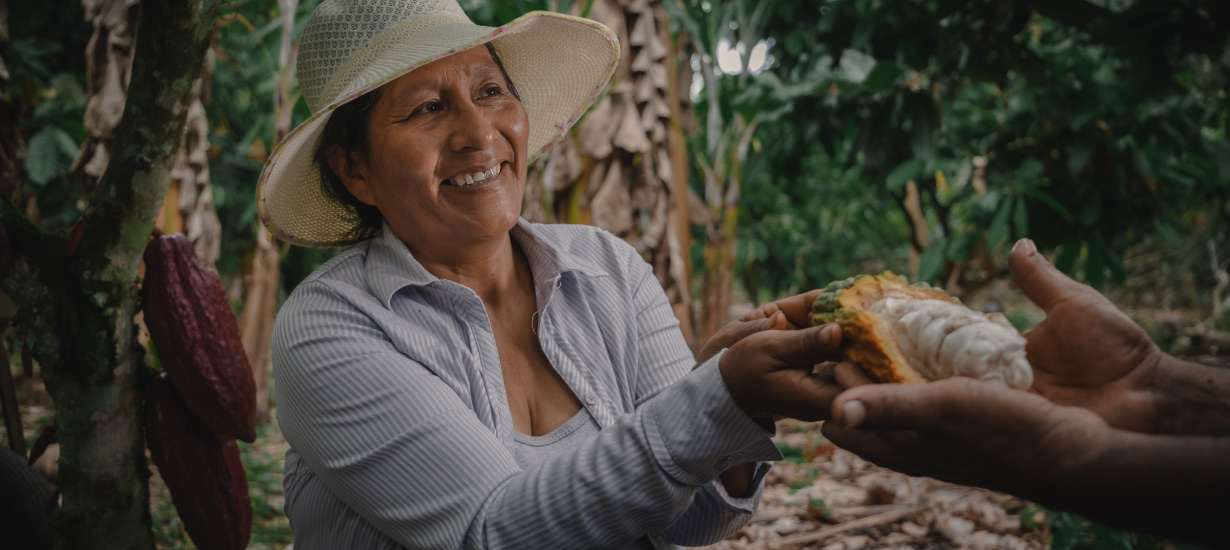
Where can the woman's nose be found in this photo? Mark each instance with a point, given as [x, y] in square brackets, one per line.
[473, 127]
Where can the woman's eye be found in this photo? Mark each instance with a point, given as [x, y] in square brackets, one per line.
[432, 107]
[491, 91]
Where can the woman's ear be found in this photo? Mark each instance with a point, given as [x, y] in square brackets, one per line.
[351, 167]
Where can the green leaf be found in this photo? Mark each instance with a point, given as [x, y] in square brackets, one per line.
[1080, 155]
[1051, 202]
[1020, 219]
[959, 246]
[903, 173]
[882, 76]
[1168, 233]
[1065, 260]
[999, 224]
[1091, 211]
[931, 264]
[856, 65]
[45, 154]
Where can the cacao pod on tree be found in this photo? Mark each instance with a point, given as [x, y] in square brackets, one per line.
[202, 470]
[197, 337]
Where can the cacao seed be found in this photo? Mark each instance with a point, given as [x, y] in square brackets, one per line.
[201, 468]
[191, 323]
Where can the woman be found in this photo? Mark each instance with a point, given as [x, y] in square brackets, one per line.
[463, 378]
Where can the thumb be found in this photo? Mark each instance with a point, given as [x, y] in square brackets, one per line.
[901, 406]
[804, 347]
[1041, 281]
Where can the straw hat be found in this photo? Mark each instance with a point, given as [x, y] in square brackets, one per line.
[558, 63]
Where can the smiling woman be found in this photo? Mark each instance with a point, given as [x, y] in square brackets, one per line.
[461, 377]
[347, 131]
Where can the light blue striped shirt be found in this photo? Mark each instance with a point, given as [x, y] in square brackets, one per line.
[390, 393]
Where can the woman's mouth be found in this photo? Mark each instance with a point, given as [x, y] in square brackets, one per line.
[470, 180]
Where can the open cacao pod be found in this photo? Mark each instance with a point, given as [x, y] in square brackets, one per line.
[197, 337]
[905, 333]
[202, 470]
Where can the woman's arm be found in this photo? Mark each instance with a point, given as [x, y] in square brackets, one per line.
[399, 446]
[726, 505]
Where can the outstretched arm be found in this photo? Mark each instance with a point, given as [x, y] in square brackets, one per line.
[977, 433]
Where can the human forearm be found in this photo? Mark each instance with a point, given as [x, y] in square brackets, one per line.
[1191, 398]
[1172, 486]
[652, 467]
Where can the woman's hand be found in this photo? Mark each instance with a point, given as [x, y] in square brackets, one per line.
[772, 373]
[790, 313]
[1086, 352]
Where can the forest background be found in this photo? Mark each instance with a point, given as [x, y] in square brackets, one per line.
[750, 149]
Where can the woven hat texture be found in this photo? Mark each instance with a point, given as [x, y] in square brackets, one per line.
[559, 64]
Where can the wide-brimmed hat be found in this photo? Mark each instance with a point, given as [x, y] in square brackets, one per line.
[558, 63]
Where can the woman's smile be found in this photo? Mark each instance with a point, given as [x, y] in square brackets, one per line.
[469, 180]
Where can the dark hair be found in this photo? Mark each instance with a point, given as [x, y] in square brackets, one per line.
[347, 128]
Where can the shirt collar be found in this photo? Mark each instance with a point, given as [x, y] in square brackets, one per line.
[391, 267]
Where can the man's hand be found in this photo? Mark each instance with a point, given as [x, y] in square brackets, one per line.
[966, 431]
[772, 373]
[1086, 352]
[790, 313]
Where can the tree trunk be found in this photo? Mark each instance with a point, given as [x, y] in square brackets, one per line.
[78, 306]
[619, 169]
[256, 321]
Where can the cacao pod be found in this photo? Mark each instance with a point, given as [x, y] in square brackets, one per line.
[191, 323]
[905, 333]
[202, 470]
[24, 518]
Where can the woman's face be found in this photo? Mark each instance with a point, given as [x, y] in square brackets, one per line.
[446, 155]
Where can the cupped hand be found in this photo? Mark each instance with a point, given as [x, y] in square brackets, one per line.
[773, 373]
[790, 313]
[1086, 353]
[966, 431]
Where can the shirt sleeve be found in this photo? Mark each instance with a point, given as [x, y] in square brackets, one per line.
[664, 357]
[398, 446]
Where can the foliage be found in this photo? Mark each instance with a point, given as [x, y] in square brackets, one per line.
[47, 85]
[242, 123]
[1072, 532]
[1100, 124]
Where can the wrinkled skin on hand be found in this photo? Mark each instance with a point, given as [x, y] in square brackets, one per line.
[790, 313]
[965, 431]
[770, 368]
[1086, 352]
[772, 373]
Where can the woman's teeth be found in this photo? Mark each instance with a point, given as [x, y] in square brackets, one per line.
[475, 178]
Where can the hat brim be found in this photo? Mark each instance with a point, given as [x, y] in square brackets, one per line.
[559, 63]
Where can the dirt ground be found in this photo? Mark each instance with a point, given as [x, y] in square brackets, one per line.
[826, 498]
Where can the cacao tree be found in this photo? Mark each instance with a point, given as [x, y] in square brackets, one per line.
[957, 127]
[623, 167]
[76, 296]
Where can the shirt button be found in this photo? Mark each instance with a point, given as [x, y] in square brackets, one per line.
[590, 397]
